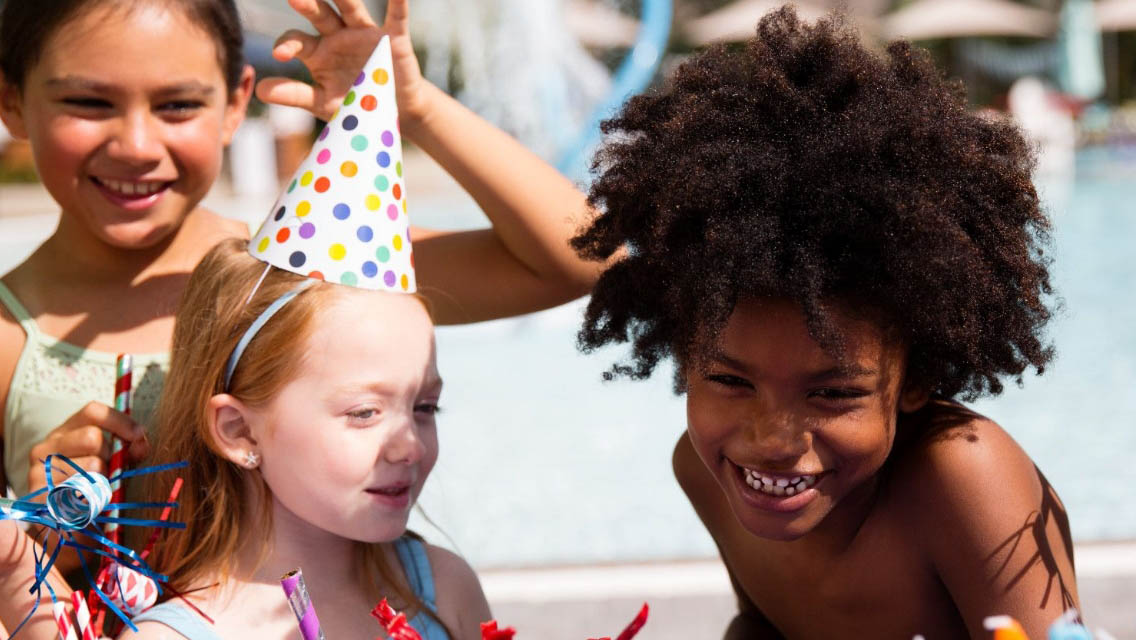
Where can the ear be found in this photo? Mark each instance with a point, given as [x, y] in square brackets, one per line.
[913, 397]
[231, 425]
[11, 108]
[238, 103]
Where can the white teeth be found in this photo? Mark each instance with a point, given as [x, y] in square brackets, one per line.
[778, 486]
[131, 188]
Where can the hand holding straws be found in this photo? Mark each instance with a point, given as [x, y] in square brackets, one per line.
[78, 504]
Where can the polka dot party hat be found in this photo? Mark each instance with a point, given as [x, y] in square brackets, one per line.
[343, 215]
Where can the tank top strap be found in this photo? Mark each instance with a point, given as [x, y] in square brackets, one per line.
[412, 554]
[9, 300]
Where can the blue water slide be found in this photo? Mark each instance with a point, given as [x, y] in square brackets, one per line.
[633, 76]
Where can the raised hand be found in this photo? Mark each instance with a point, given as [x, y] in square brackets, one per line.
[334, 57]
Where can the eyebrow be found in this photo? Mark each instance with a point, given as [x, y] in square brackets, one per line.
[839, 371]
[80, 83]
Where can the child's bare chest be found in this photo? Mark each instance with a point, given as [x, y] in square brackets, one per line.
[880, 587]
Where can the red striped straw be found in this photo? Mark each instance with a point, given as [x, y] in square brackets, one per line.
[83, 616]
[122, 380]
[122, 384]
[63, 622]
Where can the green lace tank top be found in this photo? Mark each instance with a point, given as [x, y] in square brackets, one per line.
[54, 379]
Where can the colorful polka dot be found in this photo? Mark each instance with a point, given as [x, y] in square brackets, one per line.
[292, 186]
[396, 242]
[373, 202]
[383, 159]
[323, 134]
[341, 211]
[283, 234]
[359, 80]
[405, 282]
[304, 208]
[307, 230]
[365, 233]
[337, 251]
[324, 156]
[280, 212]
[370, 269]
[398, 169]
[306, 179]
[348, 279]
[381, 183]
[388, 138]
[383, 254]
[322, 185]
[349, 169]
[297, 259]
[262, 245]
[397, 193]
[350, 122]
[349, 98]
[369, 103]
[381, 76]
[392, 212]
[359, 143]
[316, 275]
[404, 206]
[388, 278]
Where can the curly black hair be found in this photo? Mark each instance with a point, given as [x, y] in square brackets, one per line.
[805, 166]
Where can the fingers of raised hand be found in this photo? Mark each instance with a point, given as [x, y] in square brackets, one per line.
[106, 418]
[320, 14]
[287, 92]
[398, 17]
[294, 43]
[355, 14]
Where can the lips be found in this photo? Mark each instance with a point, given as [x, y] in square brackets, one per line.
[396, 496]
[131, 193]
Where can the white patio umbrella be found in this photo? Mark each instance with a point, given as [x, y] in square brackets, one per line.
[1116, 15]
[738, 21]
[928, 19]
[600, 26]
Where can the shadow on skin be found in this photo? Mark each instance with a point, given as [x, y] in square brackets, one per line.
[1051, 509]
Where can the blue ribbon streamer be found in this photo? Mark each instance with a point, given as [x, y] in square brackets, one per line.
[76, 505]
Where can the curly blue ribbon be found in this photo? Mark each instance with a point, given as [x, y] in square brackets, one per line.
[74, 505]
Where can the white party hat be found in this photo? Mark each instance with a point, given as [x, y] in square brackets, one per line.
[343, 216]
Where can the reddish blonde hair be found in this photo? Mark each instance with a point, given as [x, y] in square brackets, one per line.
[211, 318]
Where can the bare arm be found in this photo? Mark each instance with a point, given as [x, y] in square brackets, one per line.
[994, 529]
[17, 574]
[523, 263]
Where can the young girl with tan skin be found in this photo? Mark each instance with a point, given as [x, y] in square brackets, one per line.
[128, 107]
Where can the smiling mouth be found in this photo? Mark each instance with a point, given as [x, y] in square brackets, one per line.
[391, 492]
[132, 188]
[781, 486]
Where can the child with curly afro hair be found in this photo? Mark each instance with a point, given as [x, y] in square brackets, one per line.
[835, 251]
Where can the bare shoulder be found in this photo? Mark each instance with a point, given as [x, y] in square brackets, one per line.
[988, 520]
[12, 341]
[460, 599]
[150, 631]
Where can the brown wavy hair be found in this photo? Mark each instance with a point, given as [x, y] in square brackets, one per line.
[211, 318]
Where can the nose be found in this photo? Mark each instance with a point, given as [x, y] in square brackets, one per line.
[404, 444]
[137, 139]
[779, 437]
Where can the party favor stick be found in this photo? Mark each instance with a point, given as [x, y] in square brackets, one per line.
[122, 384]
[1005, 628]
[489, 631]
[83, 616]
[394, 622]
[63, 622]
[301, 601]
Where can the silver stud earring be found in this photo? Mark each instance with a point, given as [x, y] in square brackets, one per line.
[251, 460]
